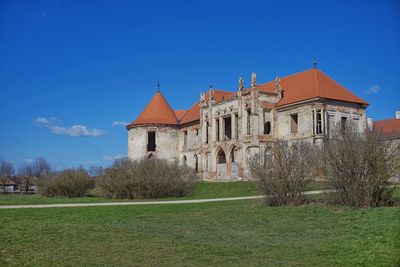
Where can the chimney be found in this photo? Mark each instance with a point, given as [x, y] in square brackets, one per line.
[397, 114]
[370, 123]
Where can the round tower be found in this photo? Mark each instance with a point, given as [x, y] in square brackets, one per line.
[154, 133]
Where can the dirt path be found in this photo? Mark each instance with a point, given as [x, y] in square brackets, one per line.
[149, 202]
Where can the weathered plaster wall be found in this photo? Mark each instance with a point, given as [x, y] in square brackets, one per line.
[166, 142]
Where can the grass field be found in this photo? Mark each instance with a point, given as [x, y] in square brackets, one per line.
[238, 233]
[202, 190]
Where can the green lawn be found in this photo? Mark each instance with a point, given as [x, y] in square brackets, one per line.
[237, 233]
[202, 190]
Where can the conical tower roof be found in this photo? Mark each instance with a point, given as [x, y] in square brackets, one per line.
[157, 112]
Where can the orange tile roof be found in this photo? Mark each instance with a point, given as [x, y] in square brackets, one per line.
[389, 128]
[179, 114]
[310, 84]
[158, 111]
[306, 85]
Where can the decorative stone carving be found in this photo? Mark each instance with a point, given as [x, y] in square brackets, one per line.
[277, 82]
[253, 79]
[211, 96]
[241, 84]
[202, 100]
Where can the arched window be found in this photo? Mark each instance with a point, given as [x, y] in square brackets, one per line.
[221, 157]
[267, 127]
[184, 160]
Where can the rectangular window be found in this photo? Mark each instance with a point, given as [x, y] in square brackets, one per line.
[207, 125]
[267, 128]
[151, 141]
[236, 125]
[318, 128]
[217, 129]
[343, 122]
[293, 123]
[184, 138]
[248, 122]
[228, 127]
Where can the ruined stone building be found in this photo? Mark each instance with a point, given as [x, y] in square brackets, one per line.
[220, 133]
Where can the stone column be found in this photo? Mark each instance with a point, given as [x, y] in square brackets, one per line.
[214, 129]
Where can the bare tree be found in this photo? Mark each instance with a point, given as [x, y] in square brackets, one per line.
[30, 172]
[6, 172]
[287, 168]
[95, 171]
[359, 166]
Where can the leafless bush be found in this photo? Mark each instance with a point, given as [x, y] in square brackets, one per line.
[30, 172]
[6, 173]
[67, 183]
[285, 172]
[359, 166]
[147, 178]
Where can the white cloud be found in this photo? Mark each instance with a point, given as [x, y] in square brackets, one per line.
[373, 89]
[120, 123]
[42, 122]
[112, 158]
[74, 131]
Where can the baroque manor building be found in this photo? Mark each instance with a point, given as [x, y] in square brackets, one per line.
[220, 133]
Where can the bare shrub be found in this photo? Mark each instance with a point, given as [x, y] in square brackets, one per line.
[147, 178]
[6, 174]
[30, 172]
[67, 183]
[285, 172]
[359, 166]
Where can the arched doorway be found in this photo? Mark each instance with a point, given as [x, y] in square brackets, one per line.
[221, 165]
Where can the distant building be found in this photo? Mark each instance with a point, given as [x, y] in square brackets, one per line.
[7, 185]
[220, 133]
[389, 128]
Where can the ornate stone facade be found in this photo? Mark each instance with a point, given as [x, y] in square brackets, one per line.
[221, 132]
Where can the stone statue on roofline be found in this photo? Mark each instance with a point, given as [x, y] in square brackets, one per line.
[241, 84]
[202, 99]
[277, 82]
[211, 96]
[253, 79]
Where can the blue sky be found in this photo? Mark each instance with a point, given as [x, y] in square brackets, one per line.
[71, 69]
